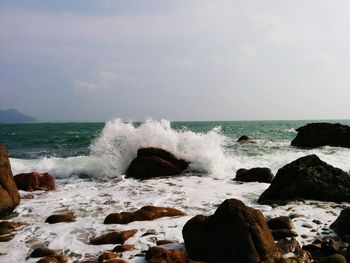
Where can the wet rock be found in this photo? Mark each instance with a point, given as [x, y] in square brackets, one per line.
[280, 222]
[9, 195]
[235, 233]
[309, 178]
[60, 218]
[258, 174]
[289, 246]
[164, 242]
[330, 247]
[335, 258]
[283, 233]
[245, 139]
[144, 214]
[341, 225]
[42, 252]
[54, 259]
[35, 181]
[322, 134]
[154, 162]
[161, 255]
[113, 237]
[7, 229]
[123, 248]
[106, 256]
[301, 257]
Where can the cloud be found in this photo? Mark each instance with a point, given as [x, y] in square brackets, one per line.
[81, 85]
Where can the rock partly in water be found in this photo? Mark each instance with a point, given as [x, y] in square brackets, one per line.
[124, 247]
[113, 237]
[144, 214]
[7, 229]
[35, 181]
[246, 139]
[42, 252]
[342, 224]
[54, 259]
[9, 195]
[258, 174]
[235, 233]
[154, 162]
[308, 178]
[107, 256]
[60, 218]
[322, 134]
[162, 255]
[280, 222]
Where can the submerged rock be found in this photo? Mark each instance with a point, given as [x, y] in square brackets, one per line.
[9, 195]
[258, 174]
[308, 178]
[35, 181]
[322, 134]
[235, 233]
[144, 214]
[154, 162]
[113, 237]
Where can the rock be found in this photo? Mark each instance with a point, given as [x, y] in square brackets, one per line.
[164, 242]
[281, 222]
[7, 229]
[322, 134]
[42, 252]
[59, 218]
[144, 214]
[245, 139]
[124, 247]
[261, 175]
[154, 162]
[308, 178]
[330, 247]
[341, 225]
[335, 258]
[287, 246]
[161, 255]
[113, 237]
[106, 256]
[54, 259]
[235, 233]
[9, 195]
[283, 233]
[35, 181]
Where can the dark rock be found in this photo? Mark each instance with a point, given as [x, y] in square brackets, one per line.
[106, 256]
[9, 195]
[35, 181]
[161, 255]
[164, 242]
[287, 246]
[322, 134]
[235, 233]
[54, 259]
[7, 230]
[113, 237]
[245, 139]
[144, 214]
[330, 247]
[335, 258]
[154, 162]
[261, 175]
[42, 252]
[283, 233]
[59, 218]
[341, 225]
[124, 247]
[281, 222]
[309, 178]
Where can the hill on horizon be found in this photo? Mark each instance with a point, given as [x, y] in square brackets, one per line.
[14, 116]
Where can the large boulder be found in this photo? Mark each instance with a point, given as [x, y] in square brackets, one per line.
[35, 181]
[257, 174]
[309, 178]
[154, 162]
[143, 214]
[235, 233]
[341, 225]
[9, 195]
[322, 134]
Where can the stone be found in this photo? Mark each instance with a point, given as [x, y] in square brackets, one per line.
[280, 222]
[54, 259]
[258, 174]
[341, 225]
[7, 229]
[113, 237]
[124, 247]
[106, 256]
[309, 178]
[245, 139]
[9, 195]
[146, 213]
[42, 252]
[60, 218]
[235, 233]
[321, 134]
[289, 246]
[335, 258]
[35, 181]
[283, 233]
[162, 255]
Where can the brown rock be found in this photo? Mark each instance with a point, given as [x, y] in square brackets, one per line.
[280, 222]
[235, 233]
[164, 242]
[42, 252]
[283, 233]
[287, 246]
[123, 248]
[144, 214]
[106, 256]
[7, 229]
[258, 174]
[335, 258]
[161, 255]
[113, 237]
[245, 139]
[35, 181]
[54, 259]
[59, 218]
[9, 196]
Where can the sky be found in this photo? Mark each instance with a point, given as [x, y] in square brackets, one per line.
[95, 60]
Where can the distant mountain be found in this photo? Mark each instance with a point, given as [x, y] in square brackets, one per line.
[14, 116]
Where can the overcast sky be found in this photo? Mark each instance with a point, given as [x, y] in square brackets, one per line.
[179, 60]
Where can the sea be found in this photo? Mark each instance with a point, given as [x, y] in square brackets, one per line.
[89, 161]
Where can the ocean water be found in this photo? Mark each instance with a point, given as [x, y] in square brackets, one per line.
[89, 161]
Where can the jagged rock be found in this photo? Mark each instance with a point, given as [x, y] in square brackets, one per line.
[9, 195]
[322, 134]
[235, 233]
[308, 178]
[258, 174]
[154, 162]
[162, 255]
[113, 237]
[144, 214]
[35, 181]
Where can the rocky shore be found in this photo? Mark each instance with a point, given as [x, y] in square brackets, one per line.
[234, 232]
